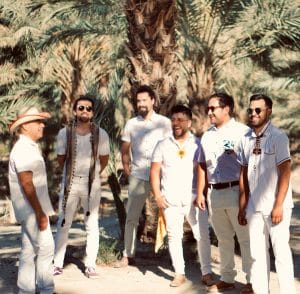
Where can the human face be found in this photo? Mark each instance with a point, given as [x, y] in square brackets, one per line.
[181, 125]
[217, 114]
[144, 103]
[84, 111]
[258, 121]
[33, 129]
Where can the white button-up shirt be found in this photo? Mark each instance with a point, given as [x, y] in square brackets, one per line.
[219, 151]
[177, 168]
[26, 156]
[262, 168]
[143, 136]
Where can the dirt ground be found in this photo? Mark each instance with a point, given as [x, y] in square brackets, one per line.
[151, 274]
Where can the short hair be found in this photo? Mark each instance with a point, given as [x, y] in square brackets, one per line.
[268, 100]
[224, 100]
[84, 97]
[146, 88]
[179, 108]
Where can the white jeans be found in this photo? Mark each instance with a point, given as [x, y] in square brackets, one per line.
[35, 265]
[198, 221]
[138, 191]
[261, 228]
[223, 208]
[79, 191]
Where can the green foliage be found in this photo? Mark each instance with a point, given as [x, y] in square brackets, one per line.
[109, 251]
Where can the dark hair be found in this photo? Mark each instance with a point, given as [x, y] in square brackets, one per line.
[182, 109]
[224, 100]
[267, 99]
[84, 97]
[145, 88]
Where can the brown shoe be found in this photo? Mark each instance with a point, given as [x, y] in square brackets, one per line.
[178, 280]
[123, 262]
[220, 286]
[208, 280]
[247, 289]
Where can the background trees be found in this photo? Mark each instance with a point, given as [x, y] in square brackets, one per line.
[53, 51]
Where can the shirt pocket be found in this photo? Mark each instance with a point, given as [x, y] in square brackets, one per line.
[269, 157]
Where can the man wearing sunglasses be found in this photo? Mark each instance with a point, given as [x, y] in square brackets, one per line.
[266, 196]
[82, 152]
[139, 138]
[218, 175]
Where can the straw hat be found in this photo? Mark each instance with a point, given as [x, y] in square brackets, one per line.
[27, 115]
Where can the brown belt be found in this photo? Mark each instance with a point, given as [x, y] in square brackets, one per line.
[219, 186]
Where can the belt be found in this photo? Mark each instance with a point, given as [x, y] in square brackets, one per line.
[220, 186]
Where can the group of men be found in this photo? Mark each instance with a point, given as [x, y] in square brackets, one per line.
[242, 174]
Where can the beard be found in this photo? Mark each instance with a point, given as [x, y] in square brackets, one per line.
[143, 111]
[83, 119]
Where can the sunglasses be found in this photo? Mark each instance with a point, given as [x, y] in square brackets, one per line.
[87, 108]
[211, 108]
[257, 110]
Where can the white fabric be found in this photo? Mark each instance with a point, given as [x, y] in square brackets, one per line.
[79, 192]
[177, 187]
[261, 228]
[220, 149]
[223, 208]
[26, 156]
[138, 191]
[35, 262]
[174, 216]
[177, 172]
[143, 135]
[262, 169]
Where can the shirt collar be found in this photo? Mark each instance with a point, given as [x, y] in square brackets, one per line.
[263, 132]
[27, 139]
[152, 117]
[225, 126]
[172, 138]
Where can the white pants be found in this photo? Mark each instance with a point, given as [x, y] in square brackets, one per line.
[79, 191]
[261, 227]
[198, 221]
[35, 265]
[138, 191]
[223, 208]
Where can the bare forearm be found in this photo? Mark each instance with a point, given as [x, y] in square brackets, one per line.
[103, 162]
[283, 182]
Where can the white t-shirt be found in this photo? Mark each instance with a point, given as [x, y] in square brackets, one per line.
[177, 169]
[143, 136]
[26, 156]
[262, 168]
[220, 149]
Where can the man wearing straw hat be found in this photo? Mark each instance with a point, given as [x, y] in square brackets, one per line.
[83, 151]
[32, 206]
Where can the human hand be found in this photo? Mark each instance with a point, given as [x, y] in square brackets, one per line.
[161, 202]
[242, 217]
[42, 221]
[277, 214]
[200, 202]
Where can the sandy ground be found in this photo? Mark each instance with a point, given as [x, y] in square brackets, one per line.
[152, 273]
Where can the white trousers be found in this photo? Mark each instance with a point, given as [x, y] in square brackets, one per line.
[35, 264]
[138, 191]
[198, 221]
[223, 208]
[261, 228]
[79, 191]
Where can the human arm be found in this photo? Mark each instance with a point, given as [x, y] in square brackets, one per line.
[61, 161]
[284, 174]
[126, 159]
[26, 182]
[155, 184]
[201, 186]
[103, 162]
[244, 195]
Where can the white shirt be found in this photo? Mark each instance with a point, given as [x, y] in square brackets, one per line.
[177, 170]
[143, 136]
[220, 149]
[26, 156]
[262, 168]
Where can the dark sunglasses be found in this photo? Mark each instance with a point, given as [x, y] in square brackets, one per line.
[211, 108]
[257, 110]
[87, 108]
